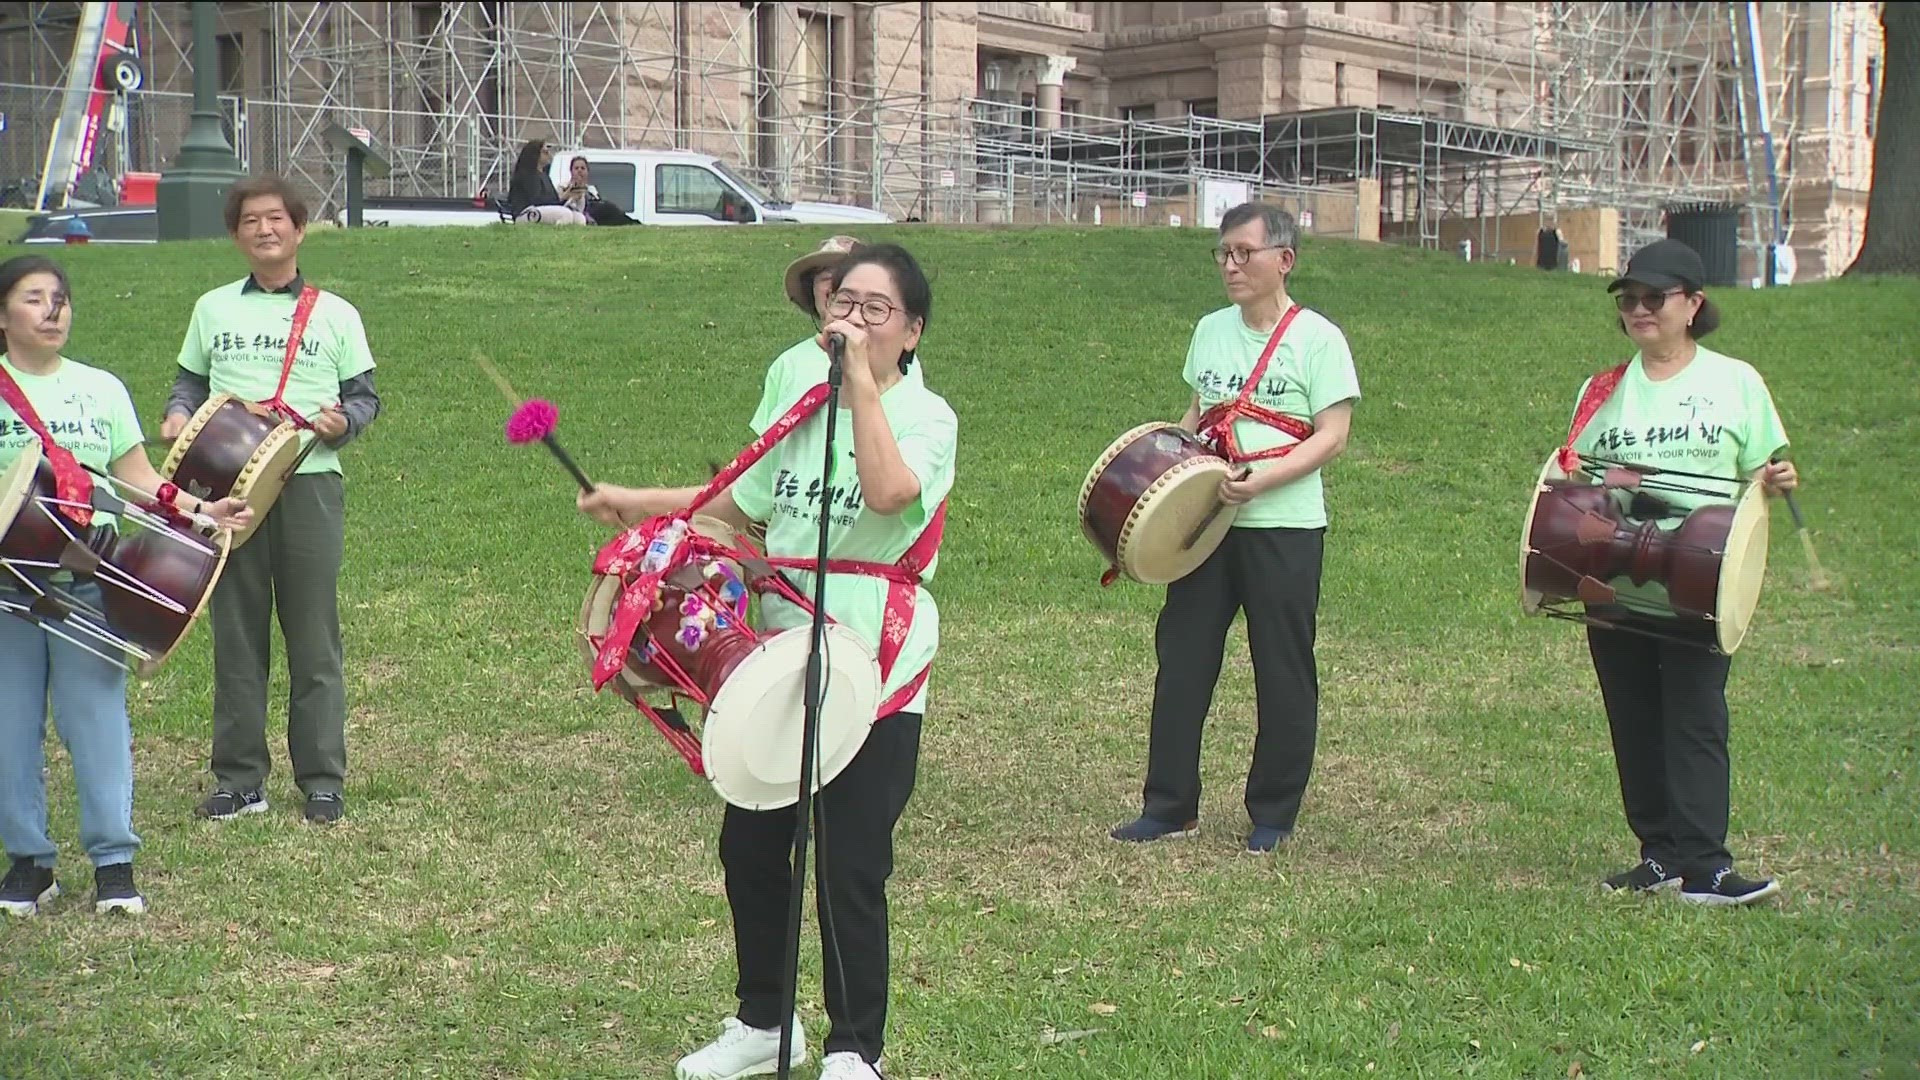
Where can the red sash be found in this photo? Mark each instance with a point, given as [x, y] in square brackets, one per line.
[1216, 424]
[1599, 389]
[625, 553]
[71, 484]
[302, 310]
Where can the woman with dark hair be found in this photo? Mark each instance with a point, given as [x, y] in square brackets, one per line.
[1681, 407]
[532, 197]
[893, 467]
[41, 393]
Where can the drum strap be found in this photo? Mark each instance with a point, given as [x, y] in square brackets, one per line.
[302, 311]
[1216, 424]
[626, 553]
[1599, 389]
[71, 484]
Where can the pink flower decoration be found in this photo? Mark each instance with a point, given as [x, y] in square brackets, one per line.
[532, 421]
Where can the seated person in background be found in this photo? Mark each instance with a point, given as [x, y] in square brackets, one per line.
[584, 199]
[532, 197]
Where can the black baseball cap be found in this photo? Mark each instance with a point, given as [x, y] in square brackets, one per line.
[1663, 265]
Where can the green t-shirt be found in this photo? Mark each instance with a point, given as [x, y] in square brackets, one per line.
[1311, 371]
[1713, 419]
[85, 408]
[783, 489]
[238, 340]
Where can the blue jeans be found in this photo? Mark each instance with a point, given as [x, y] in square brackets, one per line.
[89, 699]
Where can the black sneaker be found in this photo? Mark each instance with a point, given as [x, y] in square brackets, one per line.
[1144, 829]
[26, 887]
[1649, 876]
[113, 890]
[325, 807]
[1726, 888]
[223, 805]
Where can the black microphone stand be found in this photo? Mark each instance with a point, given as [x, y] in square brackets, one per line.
[810, 722]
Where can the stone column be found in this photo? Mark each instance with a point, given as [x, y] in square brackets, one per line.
[1051, 75]
[190, 198]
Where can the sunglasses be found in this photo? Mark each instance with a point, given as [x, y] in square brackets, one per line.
[1627, 301]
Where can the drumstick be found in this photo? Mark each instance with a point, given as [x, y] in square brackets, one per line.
[532, 420]
[1206, 522]
[1817, 575]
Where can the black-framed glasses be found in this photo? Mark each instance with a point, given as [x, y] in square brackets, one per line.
[876, 310]
[1240, 255]
[1627, 301]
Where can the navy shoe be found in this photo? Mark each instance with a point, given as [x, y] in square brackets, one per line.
[1144, 829]
[1265, 838]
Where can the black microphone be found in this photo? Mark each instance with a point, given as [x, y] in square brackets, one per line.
[836, 355]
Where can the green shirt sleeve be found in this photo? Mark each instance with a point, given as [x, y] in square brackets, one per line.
[927, 447]
[1331, 378]
[193, 350]
[1761, 433]
[353, 355]
[753, 492]
[1190, 372]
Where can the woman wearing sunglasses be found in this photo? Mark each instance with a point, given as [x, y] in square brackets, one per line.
[1684, 408]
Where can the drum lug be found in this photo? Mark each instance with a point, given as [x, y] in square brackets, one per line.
[1592, 590]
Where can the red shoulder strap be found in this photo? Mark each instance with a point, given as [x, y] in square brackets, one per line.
[72, 485]
[1599, 389]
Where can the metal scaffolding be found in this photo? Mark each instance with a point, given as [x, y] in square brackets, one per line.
[1651, 94]
[809, 103]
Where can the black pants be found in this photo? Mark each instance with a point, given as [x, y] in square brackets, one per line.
[1667, 706]
[853, 857]
[1274, 575]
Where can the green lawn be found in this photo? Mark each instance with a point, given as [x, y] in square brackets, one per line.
[527, 882]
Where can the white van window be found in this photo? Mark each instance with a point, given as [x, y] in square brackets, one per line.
[614, 180]
[694, 189]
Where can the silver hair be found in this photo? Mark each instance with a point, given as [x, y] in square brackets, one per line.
[1282, 230]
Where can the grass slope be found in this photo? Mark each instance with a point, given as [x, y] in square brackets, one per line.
[527, 883]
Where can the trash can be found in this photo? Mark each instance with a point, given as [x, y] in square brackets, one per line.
[1711, 229]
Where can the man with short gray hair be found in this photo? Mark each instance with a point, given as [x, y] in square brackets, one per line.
[1273, 391]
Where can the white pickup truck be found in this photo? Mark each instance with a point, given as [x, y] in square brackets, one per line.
[654, 187]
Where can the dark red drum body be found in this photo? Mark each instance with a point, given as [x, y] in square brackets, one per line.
[1145, 496]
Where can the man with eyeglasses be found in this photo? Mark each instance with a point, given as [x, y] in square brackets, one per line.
[1273, 391]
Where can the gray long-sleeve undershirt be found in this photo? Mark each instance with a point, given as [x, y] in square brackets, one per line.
[358, 401]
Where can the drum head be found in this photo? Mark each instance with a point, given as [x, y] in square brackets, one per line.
[265, 476]
[1153, 545]
[16, 485]
[751, 735]
[1742, 569]
[1530, 599]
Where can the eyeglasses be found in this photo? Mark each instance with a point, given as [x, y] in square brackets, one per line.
[874, 311]
[1626, 302]
[1239, 255]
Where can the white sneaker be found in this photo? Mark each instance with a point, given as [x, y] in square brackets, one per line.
[847, 1065]
[742, 1051]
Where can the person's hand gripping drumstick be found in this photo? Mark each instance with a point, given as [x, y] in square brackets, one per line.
[1234, 491]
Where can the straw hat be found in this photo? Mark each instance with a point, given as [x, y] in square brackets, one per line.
[799, 290]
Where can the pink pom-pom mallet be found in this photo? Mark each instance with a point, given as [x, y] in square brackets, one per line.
[536, 419]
